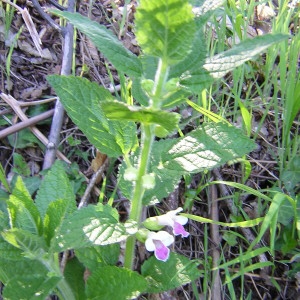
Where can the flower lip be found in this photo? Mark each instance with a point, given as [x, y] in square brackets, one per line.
[176, 222]
[159, 242]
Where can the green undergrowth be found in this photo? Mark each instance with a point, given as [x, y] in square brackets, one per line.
[197, 58]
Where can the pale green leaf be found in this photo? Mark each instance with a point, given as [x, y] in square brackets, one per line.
[55, 185]
[175, 272]
[106, 42]
[224, 62]
[202, 8]
[22, 210]
[165, 28]
[81, 99]
[115, 110]
[92, 225]
[200, 77]
[205, 148]
[115, 283]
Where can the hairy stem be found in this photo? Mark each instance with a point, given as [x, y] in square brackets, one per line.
[148, 136]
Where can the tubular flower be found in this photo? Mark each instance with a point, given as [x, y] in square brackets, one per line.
[176, 222]
[159, 242]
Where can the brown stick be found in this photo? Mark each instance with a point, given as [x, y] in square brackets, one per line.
[55, 130]
[217, 284]
[30, 122]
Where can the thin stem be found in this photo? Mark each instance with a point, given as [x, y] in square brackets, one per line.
[146, 145]
[63, 287]
[161, 77]
[139, 190]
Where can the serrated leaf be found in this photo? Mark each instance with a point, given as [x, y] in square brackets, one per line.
[22, 210]
[55, 185]
[119, 283]
[200, 77]
[120, 111]
[56, 212]
[224, 62]
[175, 272]
[165, 28]
[197, 54]
[27, 279]
[8, 251]
[33, 246]
[81, 99]
[92, 225]
[205, 148]
[98, 256]
[106, 42]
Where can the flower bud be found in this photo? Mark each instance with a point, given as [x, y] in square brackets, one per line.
[152, 224]
[142, 234]
[131, 174]
[149, 181]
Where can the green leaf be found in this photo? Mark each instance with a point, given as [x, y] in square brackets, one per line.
[26, 279]
[165, 180]
[22, 210]
[20, 166]
[120, 111]
[224, 62]
[57, 211]
[56, 185]
[197, 54]
[106, 42]
[74, 275]
[205, 148]
[33, 246]
[98, 256]
[81, 99]
[201, 76]
[175, 272]
[94, 224]
[23, 139]
[8, 251]
[117, 283]
[165, 28]
[3, 179]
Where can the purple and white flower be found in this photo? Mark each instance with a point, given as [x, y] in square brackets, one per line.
[176, 222]
[159, 242]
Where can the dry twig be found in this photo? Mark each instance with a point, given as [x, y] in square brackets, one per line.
[217, 284]
[57, 121]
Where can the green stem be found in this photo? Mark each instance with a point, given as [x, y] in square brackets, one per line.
[139, 190]
[161, 77]
[63, 287]
[65, 290]
[146, 147]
